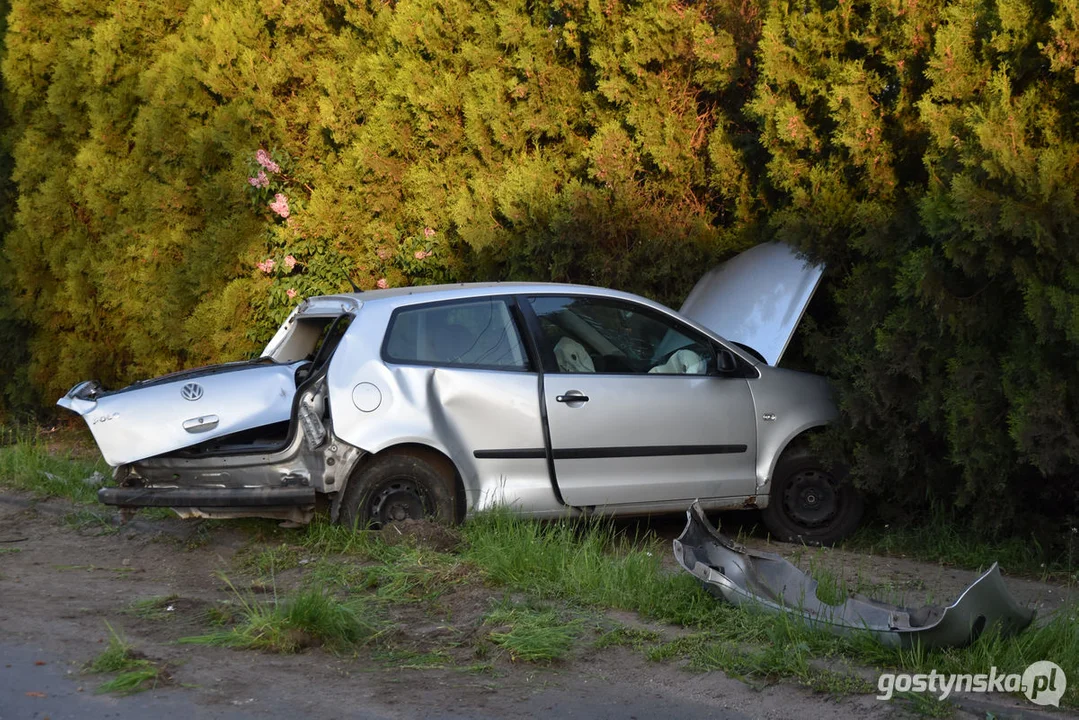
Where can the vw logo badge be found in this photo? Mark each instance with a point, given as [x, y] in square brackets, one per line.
[191, 391]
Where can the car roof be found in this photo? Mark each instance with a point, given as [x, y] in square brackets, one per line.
[419, 294]
[430, 293]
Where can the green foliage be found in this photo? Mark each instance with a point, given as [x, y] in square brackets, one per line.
[588, 564]
[926, 152]
[134, 672]
[28, 463]
[413, 142]
[287, 625]
[531, 635]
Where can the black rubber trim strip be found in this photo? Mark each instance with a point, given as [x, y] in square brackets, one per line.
[533, 331]
[206, 497]
[646, 451]
[513, 454]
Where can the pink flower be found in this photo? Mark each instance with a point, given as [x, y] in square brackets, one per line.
[263, 158]
[291, 292]
[280, 205]
[266, 265]
[382, 284]
[428, 232]
[420, 254]
[290, 262]
[383, 253]
[260, 180]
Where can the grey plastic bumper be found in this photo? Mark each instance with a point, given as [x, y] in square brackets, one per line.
[207, 497]
[770, 583]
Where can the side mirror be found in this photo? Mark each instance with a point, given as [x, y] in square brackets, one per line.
[725, 361]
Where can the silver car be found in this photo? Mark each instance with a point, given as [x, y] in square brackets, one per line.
[442, 401]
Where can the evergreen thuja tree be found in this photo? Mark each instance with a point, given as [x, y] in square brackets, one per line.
[1002, 216]
[924, 152]
[836, 102]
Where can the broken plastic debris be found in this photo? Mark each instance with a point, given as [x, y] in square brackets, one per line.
[95, 480]
[770, 583]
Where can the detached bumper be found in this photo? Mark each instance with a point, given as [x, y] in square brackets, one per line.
[769, 582]
[207, 497]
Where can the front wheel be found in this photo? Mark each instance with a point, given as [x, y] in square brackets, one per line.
[396, 488]
[809, 503]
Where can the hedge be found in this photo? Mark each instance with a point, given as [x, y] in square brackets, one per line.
[176, 174]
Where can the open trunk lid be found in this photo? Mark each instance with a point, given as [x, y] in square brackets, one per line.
[183, 409]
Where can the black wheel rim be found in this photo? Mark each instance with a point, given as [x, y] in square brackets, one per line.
[812, 499]
[396, 501]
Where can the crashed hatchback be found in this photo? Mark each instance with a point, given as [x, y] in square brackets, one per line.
[444, 400]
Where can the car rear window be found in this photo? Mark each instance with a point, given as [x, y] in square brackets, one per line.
[468, 333]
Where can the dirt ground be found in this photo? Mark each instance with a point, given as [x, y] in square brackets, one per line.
[61, 581]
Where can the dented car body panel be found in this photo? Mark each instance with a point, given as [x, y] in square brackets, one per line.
[552, 399]
[191, 407]
[769, 582]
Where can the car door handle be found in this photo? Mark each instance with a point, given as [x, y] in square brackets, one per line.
[201, 424]
[571, 398]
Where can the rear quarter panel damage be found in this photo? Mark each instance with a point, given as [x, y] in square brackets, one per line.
[455, 411]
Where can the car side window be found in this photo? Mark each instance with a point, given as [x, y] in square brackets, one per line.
[601, 335]
[468, 333]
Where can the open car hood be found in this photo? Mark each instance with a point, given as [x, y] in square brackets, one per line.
[755, 298]
[770, 583]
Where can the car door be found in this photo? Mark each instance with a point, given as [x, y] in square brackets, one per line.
[637, 411]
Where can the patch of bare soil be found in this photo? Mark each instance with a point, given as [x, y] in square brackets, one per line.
[156, 581]
[421, 533]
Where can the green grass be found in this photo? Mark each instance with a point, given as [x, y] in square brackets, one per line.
[360, 561]
[590, 564]
[132, 681]
[533, 635]
[572, 566]
[116, 656]
[941, 538]
[266, 562]
[27, 463]
[622, 636]
[325, 538]
[86, 520]
[153, 608]
[285, 625]
[134, 673]
[586, 563]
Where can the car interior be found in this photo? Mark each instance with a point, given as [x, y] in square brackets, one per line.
[591, 338]
[316, 338]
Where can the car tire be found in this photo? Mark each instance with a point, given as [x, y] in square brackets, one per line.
[399, 487]
[810, 503]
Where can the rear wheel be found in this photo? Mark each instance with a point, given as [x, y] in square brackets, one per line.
[809, 503]
[395, 488]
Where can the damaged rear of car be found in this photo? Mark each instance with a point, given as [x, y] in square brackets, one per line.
[231, 440]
